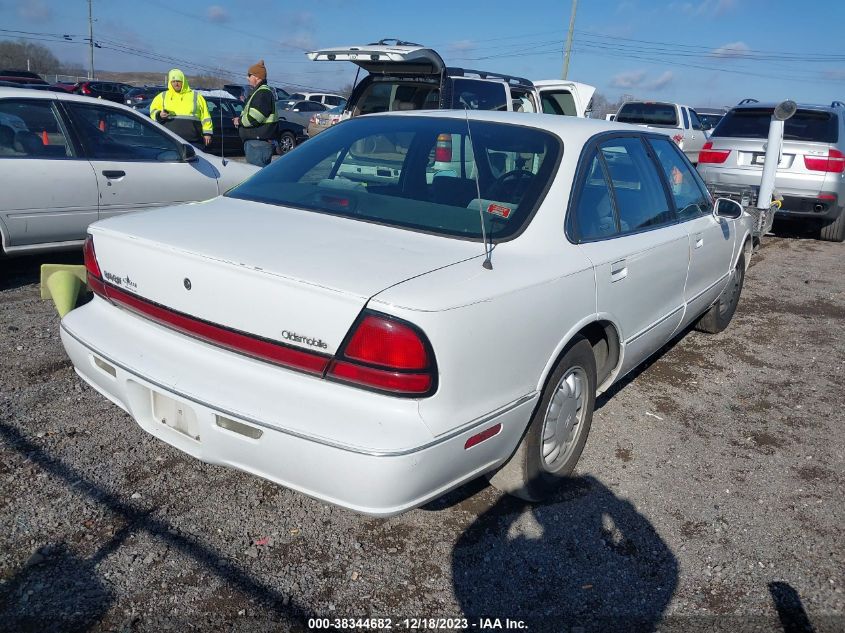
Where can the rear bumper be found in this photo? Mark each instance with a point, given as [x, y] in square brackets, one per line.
[292, 429]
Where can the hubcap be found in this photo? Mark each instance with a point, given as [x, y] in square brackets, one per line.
[287, 144]
[564, 419]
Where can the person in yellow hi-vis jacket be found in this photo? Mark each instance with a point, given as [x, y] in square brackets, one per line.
[258, 121]
[182, 110]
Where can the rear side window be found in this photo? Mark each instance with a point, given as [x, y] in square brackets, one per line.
[558, 102]
[648, 114]
[806, 125]
[416, 173]
[474, 94]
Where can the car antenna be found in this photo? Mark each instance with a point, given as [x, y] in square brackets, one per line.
[487, 249]
[222, 153]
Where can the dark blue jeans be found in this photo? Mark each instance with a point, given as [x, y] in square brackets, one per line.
[258, 152]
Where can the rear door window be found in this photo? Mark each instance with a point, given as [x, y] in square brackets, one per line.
[690, 195]
[805, 125]
[32, 129]
[637, 189]
[594, 215]
[648, 114]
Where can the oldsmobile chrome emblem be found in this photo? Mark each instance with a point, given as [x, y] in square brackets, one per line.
[300, 338]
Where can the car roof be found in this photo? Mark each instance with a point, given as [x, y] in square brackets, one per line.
[773, 104]
[62, 96]
[574, 129]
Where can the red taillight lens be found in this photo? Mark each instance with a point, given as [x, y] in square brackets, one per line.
[86, 90]
[833, 163]
[95, 277]
[709, 155]
[90, 258]
[388, 355]
[387, 343]
[443, 148]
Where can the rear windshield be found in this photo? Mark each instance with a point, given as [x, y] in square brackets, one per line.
[648, 114]
[390, 95]
[805, 125]
[416, 173]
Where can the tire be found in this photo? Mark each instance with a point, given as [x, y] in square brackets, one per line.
[834, 231]
[287, 141]
[719, 315]
[538, 468]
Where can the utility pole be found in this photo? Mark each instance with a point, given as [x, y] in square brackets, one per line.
[90, 41]
[569, 39]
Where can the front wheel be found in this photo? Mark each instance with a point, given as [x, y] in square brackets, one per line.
[558, 430]
[287, 141]
[720, 313]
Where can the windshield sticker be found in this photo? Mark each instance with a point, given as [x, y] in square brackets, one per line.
[498, 209]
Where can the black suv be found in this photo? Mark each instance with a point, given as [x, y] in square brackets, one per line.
[109, 90]
[408, 76]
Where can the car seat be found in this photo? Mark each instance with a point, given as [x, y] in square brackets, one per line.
[7, 140]
[456, 192]
[28, 143]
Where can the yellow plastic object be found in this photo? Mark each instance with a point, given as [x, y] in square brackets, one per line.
[62, 283]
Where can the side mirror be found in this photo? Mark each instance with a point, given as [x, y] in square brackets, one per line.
[727, 208]
[189, 154]
[706, 126]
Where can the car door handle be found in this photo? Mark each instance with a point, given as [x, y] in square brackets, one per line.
[699, 241]
[116, 173]
[618, 271]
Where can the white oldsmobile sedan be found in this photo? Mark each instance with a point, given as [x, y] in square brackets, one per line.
[359, 325]
[68, 160]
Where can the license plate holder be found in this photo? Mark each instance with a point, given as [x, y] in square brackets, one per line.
[176, 415]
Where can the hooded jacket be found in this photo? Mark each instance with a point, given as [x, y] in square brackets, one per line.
[189, 116]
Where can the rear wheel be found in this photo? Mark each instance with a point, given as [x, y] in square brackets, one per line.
[287, 141]
[720, 313]
[558, 430]
[834, 231]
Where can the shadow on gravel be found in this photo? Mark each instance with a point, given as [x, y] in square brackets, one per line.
[23, 271]
[790, 609]
[67, 593]
[586, 561]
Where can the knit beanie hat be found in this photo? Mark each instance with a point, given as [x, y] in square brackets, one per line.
[258, 70]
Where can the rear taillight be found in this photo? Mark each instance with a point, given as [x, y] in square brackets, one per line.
[86, 90]
[386, 354]
[710, 155]
[833, 163]
[92, 268]
[443, 148]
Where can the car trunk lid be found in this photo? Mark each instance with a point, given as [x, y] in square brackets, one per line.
[385, 59]
[290, 276]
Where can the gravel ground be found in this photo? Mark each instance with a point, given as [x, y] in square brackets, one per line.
[709, 497]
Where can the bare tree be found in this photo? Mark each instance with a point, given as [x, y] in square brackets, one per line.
[21, 55]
